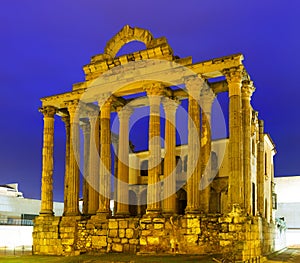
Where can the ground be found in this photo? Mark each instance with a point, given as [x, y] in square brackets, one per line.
[289, 255]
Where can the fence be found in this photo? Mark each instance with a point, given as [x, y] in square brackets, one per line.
[15, 239]
[16, 222]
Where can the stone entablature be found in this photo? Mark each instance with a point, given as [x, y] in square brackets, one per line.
[234, 196]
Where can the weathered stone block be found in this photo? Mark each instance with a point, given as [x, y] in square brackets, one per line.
[191, 238]
[101, 232]
[133, 241]
[129, 233]
[158, 226]
[122, 233]
[194, 230]
[133, 223]
[116, 240]
[143, 241]
[146, 232]
[113, 233]
[117, 248]
[224, 243]
[123, 224]
[159, 220]
[113, 224]
[67, 241]
[99, 241]
[151, 240]
[239, 219]
[193, 223]
[124, 240]
[226, 219]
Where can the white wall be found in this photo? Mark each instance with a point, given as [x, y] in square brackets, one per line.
[15, 236]
[288, 206]
[14, 206]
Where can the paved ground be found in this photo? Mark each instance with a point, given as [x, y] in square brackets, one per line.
[288, 255]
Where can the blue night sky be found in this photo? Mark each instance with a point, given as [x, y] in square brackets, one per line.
[44, 45]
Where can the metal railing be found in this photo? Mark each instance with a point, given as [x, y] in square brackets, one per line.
[16, 222]
[18, 250]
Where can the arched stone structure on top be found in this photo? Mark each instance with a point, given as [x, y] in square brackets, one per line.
[125, 35]
[128, 34]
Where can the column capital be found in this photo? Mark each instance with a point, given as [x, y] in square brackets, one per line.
[73, 108]
[234, 74]
[48, 111]
[105, 100]
[66, 119]
[170, 106]
[194, 85]
[207, 97]
[85, 126]
[247, 89]
[234, 77]
[125, 112]
[154, 89]
[93, 116]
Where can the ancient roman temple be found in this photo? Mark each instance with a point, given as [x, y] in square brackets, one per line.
[200, 196]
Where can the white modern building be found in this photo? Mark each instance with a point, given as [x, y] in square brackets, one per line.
[288, 206]
[17, 210]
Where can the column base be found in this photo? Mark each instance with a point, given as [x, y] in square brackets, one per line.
[192, 211]
[46, 213]
[103, 214]
[71, 214]
[122, 214]
[168, 213]
[153, 213]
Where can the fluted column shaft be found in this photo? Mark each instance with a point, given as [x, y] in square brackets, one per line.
[73, 178]
[86, 152]
[194, 144]
[47, 168]
[207, 98]
[93, 179]
[154, 163]
[105, 158]
[261, 171]
[66, 120]
[236, 183]
[169, 188]
[123, 163]
[247, 90]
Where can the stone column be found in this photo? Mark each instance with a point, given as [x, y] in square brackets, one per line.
[261, 171]
[247, 90]
[235, 182]
[72, 193]
[93, 179]
[193, 85]
[154, 92]
[123, 163]
[47, 168]
[169, 187]
[66, 120]
[85, 126]
[105, 157]
[207, 98]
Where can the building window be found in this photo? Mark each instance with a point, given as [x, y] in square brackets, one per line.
[144, 168]
[253, 147]
[214, 161]
[185, 163]
[266, 164]
[274, 201]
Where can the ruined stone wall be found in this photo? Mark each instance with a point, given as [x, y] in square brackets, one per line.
[234, 235]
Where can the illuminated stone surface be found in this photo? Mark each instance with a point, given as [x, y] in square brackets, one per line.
[232, 213]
